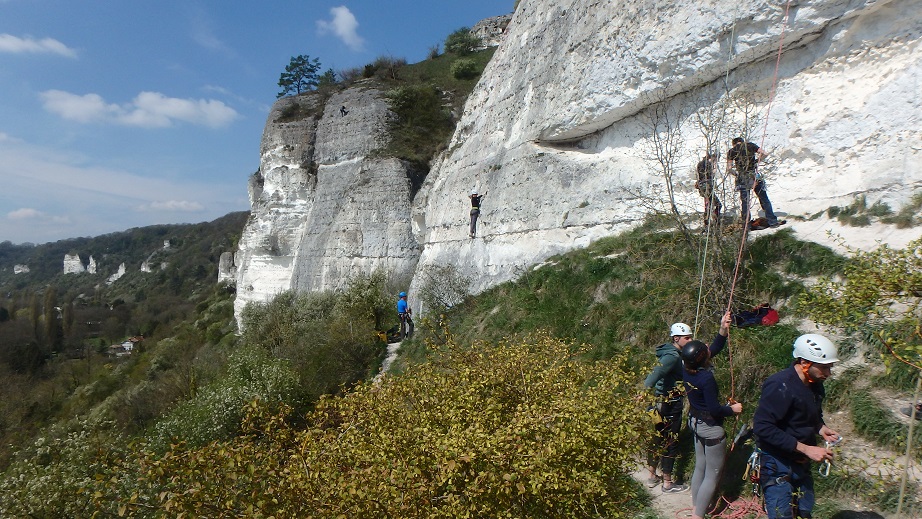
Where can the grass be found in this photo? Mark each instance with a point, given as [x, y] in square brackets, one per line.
[860, 214]
[621, 293]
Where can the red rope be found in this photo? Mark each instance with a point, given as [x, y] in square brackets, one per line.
[739, 257]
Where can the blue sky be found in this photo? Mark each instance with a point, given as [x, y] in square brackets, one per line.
[120, 114]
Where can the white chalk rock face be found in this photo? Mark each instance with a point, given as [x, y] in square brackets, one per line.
[117, 275]
[322, 209]
[558, 130]
[73, 264]
[559, 135]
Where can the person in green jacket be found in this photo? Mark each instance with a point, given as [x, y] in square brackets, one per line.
[670, 402]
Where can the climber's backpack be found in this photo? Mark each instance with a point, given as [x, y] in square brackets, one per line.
[763, 315]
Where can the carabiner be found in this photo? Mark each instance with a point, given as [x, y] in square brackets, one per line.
[824, 468]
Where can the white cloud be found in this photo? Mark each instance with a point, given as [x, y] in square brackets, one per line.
[25, 213]
[147, 110]
[183, 206]
[344, 26]
[15, 45]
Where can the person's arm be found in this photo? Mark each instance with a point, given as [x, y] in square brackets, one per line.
[712, 404]
[720, 340]
[667, 362]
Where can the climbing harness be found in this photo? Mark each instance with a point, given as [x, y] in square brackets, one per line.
[826, 466]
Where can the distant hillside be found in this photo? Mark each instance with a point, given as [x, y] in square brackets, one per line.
[194, 249]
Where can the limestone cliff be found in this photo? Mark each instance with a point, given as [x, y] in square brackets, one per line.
[323, 208]
[558, 131]
[558, 134]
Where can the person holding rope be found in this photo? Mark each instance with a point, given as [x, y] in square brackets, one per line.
[705, 186]
[706, 416]
[405, 313]
[786, 424]
[745, 156]
[670, 403]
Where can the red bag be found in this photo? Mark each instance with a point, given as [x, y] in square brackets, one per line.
[770, 317]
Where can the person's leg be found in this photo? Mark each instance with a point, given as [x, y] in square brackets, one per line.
[474, 214]
[802, 486]
[775, 478]
[715, 203]
[656, 446]
[744, 203]
[672, 418]
[403, 326]
[714, 456]
[700, 468]
[765, 202]
[409, 326]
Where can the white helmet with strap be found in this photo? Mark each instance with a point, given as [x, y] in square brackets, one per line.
[680, 329]
[815, 348]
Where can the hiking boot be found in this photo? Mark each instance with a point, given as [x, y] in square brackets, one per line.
[908, 411]
[674, 489]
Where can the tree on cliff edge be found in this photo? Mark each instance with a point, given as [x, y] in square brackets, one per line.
[300, 76]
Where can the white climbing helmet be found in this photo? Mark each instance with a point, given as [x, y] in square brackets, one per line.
[474, 191]
[815, 348]
[680, 329]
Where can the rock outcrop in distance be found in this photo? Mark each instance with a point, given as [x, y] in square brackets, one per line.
[560, 134]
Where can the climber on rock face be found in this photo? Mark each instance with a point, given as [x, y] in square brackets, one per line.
[475, 210]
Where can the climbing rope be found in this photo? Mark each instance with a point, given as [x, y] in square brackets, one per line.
[745, 224]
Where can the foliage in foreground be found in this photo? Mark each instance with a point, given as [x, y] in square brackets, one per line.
[518, 429]
[878, 297]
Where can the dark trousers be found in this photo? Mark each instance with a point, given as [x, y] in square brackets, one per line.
[781, 481]
[664, 446]
[762, 194]
[406, 325]
[475, 213]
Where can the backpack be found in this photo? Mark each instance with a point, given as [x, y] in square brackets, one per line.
[763, 315]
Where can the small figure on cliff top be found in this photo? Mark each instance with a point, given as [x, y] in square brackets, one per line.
[343, 111]
[405, 313]
[705, 186]
[475, 210]
[746, 157]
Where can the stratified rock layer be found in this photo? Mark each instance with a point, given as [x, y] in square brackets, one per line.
[558, 134]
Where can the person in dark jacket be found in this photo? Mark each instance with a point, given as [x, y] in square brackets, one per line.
[475, 210]
[786, 425]
[669, 405]
[705, 186]
[706, 416]
[745, 156]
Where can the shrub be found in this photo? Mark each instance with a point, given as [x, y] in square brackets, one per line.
[217, 411]
[461, 42]
[443, 286]
[464, 69]
[461, 437]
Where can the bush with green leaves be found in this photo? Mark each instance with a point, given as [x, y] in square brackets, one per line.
[464, 69]
[331, 339]
[217, 410]
[524, 428]
[461, 42]
[50, 477]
